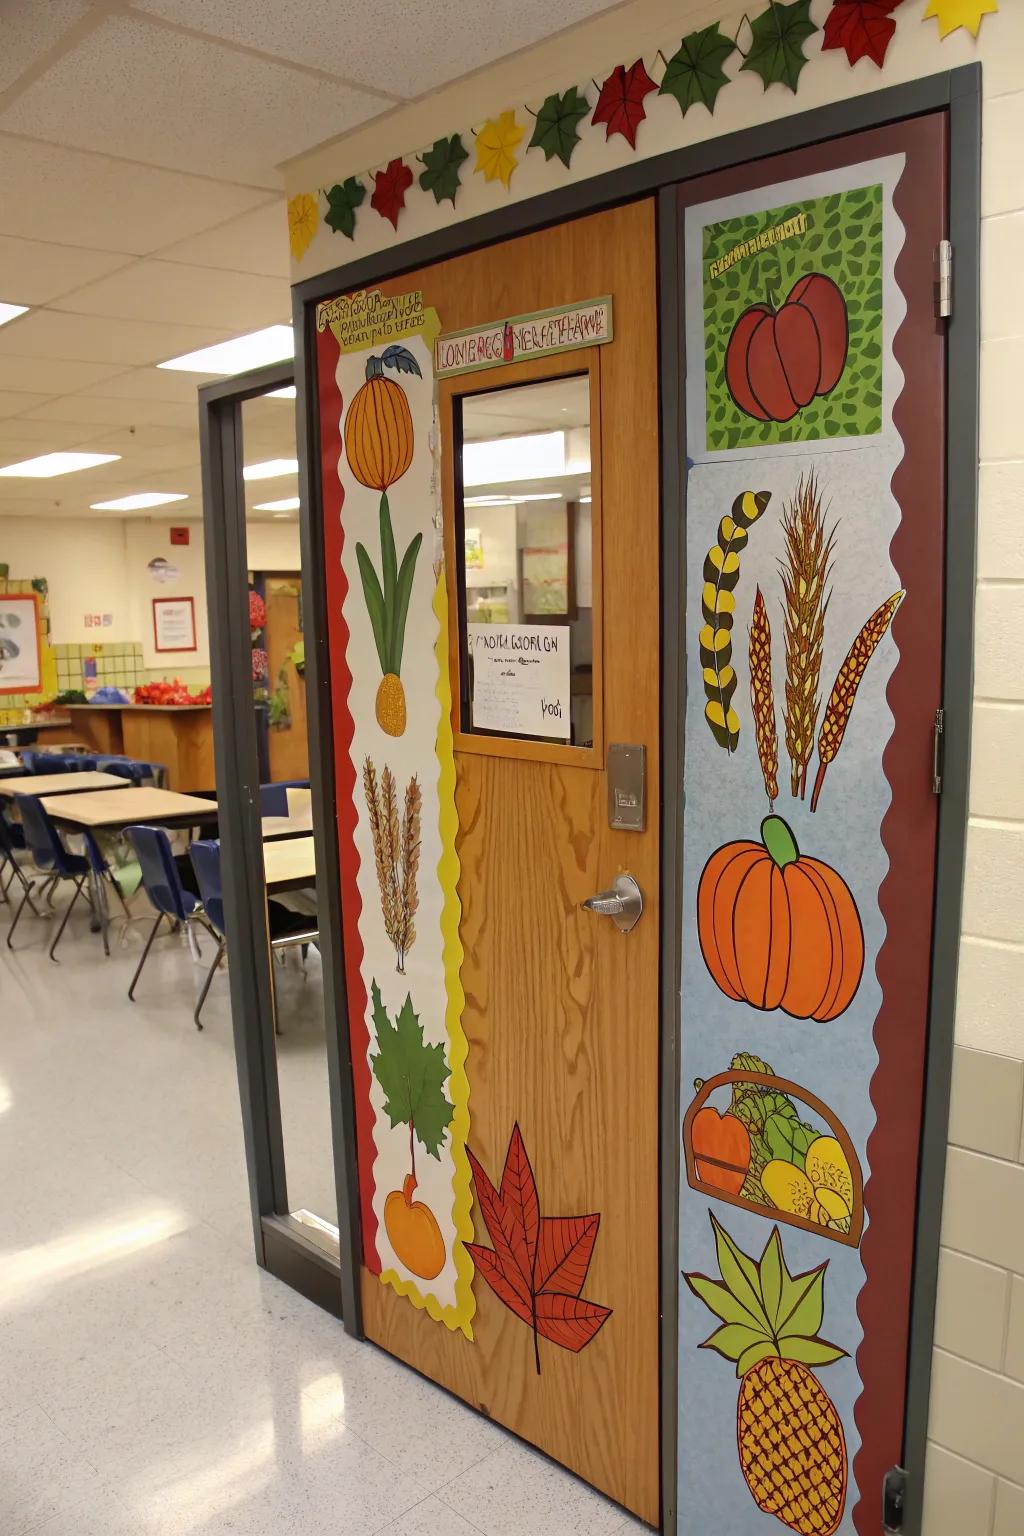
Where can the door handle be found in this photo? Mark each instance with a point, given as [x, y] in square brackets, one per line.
[623, 903]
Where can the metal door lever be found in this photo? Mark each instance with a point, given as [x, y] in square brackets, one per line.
[623, 903]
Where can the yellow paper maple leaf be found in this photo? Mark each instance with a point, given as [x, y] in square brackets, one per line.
[951, 14]
[495, 147]
[303, 216]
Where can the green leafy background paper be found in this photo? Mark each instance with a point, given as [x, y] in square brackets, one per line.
[843, 239]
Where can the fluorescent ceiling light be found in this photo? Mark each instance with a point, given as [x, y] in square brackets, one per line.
[511, 499]
[513, 458]
[49, 464]
[136, 502]
[11, 312]
[585, 501]
[287, 504]
[272, 345]
[270, 469]
[278, 515]
[288, 393]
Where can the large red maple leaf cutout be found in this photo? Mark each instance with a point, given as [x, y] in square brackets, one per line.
[538, 1265]
[861, 27]
[389, 189]
[621, 102]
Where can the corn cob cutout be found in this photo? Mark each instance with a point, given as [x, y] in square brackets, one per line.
[805, 575]
[844, 689]
[718, 606]
[762, 699]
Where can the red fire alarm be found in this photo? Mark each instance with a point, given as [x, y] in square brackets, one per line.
[179, 535]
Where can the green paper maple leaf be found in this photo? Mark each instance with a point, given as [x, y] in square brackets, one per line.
[694, 72]
[342, 201]
[555, 129]
[443, 168]
[411, 1073]
[776, 52]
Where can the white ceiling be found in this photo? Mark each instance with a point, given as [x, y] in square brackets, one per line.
[141, 212]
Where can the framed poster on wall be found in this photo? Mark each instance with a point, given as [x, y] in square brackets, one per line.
[20, 662]
[174, 624]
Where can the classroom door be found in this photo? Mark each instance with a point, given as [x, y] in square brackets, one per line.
[493, 590]
[815, 531]
[287, 748]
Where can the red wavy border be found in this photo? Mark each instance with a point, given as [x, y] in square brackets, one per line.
[330, 407]
[906, 895]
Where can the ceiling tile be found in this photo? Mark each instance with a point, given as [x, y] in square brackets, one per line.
[41, 437]
[109, 205]
[29, 31]
[186, 295]
[13, 402]
[438, 40]
[153, 384]
[255, 242]
[90, 410]
[49, 333]
[36, 271]
[122, 88]
[40, 375]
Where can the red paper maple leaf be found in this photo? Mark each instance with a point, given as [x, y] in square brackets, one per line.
[389, 189]
[538, 1265]
[861, 27]
[621, 102]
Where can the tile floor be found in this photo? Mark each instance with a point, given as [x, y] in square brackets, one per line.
[153, 1381]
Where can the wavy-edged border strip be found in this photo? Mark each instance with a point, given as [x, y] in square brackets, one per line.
[461, 1314]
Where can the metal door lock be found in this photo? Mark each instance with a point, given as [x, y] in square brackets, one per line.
[623, 903]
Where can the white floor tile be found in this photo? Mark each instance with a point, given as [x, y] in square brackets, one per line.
[515, 1492]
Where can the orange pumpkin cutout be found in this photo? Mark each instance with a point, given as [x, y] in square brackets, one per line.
[721, 1150]
[413, 1231]
[378, 428]
[778, 929]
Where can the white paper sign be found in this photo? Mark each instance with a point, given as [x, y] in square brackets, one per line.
[521, 679]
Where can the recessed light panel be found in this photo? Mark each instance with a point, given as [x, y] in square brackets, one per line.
[139, 500]
[288, 393]
[49, 464]
[270, 469]
[11, 312]
[287, 504]
[271, 345]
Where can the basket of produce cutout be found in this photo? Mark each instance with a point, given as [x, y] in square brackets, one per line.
[767, 1145]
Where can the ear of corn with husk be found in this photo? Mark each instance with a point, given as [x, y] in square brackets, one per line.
[762, 699]
[805, 576]
[848, 680]
[718, 606]
[396, 851]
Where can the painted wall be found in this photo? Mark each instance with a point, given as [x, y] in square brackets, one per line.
[975, 1481]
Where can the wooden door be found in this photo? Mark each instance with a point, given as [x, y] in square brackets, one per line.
[286, 738]
[561, 1009]
[815, 518]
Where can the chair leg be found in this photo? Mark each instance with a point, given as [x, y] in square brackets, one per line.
[78, 884]
[25, 896]
[26, 885]
[207, 983]
[145, 954]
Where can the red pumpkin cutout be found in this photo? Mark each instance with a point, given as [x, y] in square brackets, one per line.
[721, 1150]
[778, 360]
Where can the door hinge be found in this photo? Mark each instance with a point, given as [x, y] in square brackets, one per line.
[938, 750]
[894, 1494]
[944, 279]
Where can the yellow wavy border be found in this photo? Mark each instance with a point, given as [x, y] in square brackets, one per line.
[460, 1315]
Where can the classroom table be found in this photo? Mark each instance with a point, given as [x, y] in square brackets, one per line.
[298, 825]
[289, 864]
[62, 784]
[122, 807]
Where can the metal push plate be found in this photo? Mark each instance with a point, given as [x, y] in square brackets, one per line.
[626, 787]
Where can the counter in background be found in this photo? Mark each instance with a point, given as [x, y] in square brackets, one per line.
[178, 735]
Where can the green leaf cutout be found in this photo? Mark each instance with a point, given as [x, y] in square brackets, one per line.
[443, 168]
[802, 1306]
[342, 201]
[403, 592]
[810, 1351]
[411, 1074]
[740, 1274]
[733, 1340]
[776, 52]
[750, 1357]
[555, 129]
[401, 360]
[374, 599]
[389, 578]
[694, 72]
[772, 1270]
[719, 1300]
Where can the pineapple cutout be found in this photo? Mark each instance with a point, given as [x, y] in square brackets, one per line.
[790, 1439]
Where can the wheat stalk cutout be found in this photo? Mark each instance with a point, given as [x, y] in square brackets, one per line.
[762, 700]
[805, 576]
[844, 689]
[396, 851]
